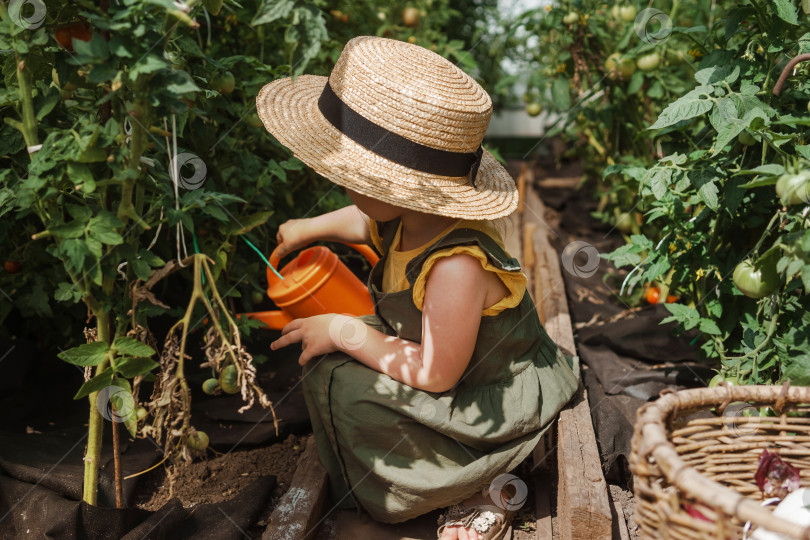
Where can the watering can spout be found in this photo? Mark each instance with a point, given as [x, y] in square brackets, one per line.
[275, 320]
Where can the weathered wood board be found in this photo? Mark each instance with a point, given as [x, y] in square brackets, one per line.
[300, 509]
[583, 503]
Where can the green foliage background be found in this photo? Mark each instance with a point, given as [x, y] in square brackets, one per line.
[684, 149]
[148, 72]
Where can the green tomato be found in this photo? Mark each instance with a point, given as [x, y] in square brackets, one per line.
[625, 223]
[616, 12]
[228, 380]
[175, 59]
[717, 379]
[253, 120]
[257, 297]
[224, 83]
[533, 109]
[209, 386]
[746, 139]
[627, 13]
[648, 62]
[794, 188]
[198, 441]
[756, 282]
[615, 64]
[571, 18]
[140, 413]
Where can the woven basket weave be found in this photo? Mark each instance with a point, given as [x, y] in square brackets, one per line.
[705, 463]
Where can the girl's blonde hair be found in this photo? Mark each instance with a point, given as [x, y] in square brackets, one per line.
[504, 226]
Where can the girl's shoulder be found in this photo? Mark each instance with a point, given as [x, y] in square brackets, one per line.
[482, 241]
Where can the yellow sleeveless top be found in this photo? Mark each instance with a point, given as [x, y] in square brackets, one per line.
[394, 272]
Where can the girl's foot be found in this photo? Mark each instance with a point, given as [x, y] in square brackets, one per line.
[477, 518]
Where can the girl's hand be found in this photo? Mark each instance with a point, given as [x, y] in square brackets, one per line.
[293, 234]
[322, 334]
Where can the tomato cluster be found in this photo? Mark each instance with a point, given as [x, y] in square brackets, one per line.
[653, 296]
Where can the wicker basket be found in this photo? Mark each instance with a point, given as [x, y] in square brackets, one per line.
[693, 474]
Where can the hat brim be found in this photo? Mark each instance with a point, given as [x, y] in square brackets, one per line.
[289, 111]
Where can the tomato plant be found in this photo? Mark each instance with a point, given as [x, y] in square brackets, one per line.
[737, 249]
[687, 119]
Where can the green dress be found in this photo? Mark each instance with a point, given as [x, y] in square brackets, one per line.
[399, 452]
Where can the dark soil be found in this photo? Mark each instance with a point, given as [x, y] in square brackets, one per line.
[221, 477]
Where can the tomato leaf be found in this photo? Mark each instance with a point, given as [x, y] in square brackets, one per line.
[690, 105]
[687, 316]
[67, 291]
[659, 181]
[89, 354]
[95, 384]
[786, 11]
[806, 277]
[102, 228]
[560, 93]
[248, 223]
[717, 74]
[132, 367]
[273, 11]
[74, 229]
[708, 326]
[132, 347]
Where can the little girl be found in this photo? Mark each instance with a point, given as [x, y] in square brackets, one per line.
[453, 381]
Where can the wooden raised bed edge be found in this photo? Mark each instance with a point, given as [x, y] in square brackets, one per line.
[298, 512]
[583, 503]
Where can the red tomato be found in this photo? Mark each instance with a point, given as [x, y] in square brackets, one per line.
[652, 295]
[65, 35]
[12, 267]
[671, 299]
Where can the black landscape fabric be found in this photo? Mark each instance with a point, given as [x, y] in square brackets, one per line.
[41, 473]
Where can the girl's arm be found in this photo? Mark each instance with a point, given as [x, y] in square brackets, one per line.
[456, 292]
[348, 224]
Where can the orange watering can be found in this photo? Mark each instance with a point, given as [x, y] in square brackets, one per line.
[313, 283]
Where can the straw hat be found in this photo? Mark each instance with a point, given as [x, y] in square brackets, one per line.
[395, 122]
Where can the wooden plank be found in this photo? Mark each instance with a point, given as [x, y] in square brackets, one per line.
[620, 531]
[511, 239]
[542, 497]
[529, 262]
[549, 292]
[565, 182]
[521, 185]
[301, 508]
[583, 503]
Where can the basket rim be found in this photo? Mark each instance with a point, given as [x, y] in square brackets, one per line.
[652, 437]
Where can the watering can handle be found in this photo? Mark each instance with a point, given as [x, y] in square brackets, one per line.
[363, 249]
